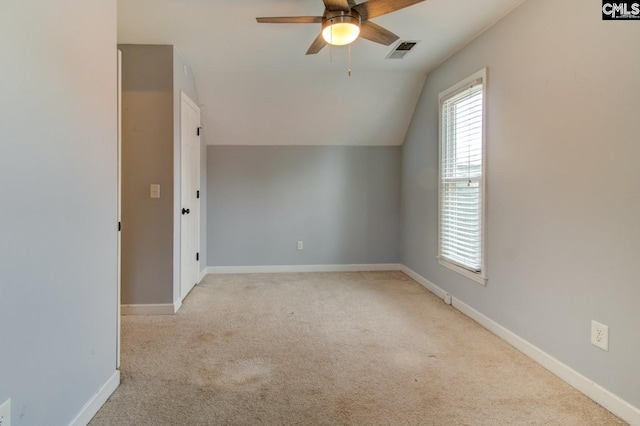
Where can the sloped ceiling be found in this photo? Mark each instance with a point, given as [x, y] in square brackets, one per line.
[256, 86]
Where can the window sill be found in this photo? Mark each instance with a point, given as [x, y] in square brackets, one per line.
[477, 277]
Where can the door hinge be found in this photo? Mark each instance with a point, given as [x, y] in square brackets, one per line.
[197, 257]
[198, 131]
[119, 226]
[197, 194]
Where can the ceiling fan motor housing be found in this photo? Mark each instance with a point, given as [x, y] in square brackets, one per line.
[334, 20]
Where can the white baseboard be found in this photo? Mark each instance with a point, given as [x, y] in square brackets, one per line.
[176, 305]
[424, 282]
[602, 396]
[97, 401]
[203, 274]
[302, 268]
[151, 309]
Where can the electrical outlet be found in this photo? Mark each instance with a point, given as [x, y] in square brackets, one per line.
[5, 413]
[300, 245]
[600, 335]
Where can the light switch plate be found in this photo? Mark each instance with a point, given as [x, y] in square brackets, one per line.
[154, 190]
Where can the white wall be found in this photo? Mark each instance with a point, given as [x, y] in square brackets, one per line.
[315, 108]
[563, 204]
[58, 213]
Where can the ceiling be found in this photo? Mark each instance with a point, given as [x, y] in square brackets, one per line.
[256, 86]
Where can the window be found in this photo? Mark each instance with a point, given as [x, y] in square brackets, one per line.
[461, 182]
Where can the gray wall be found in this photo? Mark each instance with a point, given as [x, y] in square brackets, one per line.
[153, 79]
[147, 158]
[563, 234]
[58, 286]
[343, 202]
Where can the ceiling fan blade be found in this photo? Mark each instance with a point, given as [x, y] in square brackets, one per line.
[372, 8]
[336, 5]
[317, 45]
[375, 32]
[291, 20]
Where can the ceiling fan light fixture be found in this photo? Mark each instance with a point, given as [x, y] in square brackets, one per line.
[341, 28]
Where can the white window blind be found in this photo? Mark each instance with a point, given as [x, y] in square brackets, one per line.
[461, 177]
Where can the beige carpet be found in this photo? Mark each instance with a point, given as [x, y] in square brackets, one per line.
[371, 348]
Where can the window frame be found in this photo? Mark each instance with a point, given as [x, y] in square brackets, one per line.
[479, 277]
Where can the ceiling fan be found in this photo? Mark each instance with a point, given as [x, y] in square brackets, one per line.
[344, 20]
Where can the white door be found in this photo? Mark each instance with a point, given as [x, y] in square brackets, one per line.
[190, 185]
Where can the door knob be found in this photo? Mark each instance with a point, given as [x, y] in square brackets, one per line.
[185, 211]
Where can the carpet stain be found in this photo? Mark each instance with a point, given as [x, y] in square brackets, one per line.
[202, 338]
[350, 407]
[207, 376]
[315, 391]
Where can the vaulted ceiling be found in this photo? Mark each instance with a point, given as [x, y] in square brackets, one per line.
[256, 86]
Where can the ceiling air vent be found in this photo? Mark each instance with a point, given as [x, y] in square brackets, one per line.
[402, 48]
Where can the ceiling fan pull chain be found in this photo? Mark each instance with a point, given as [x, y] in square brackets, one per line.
[331, 46]
[349, 65]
